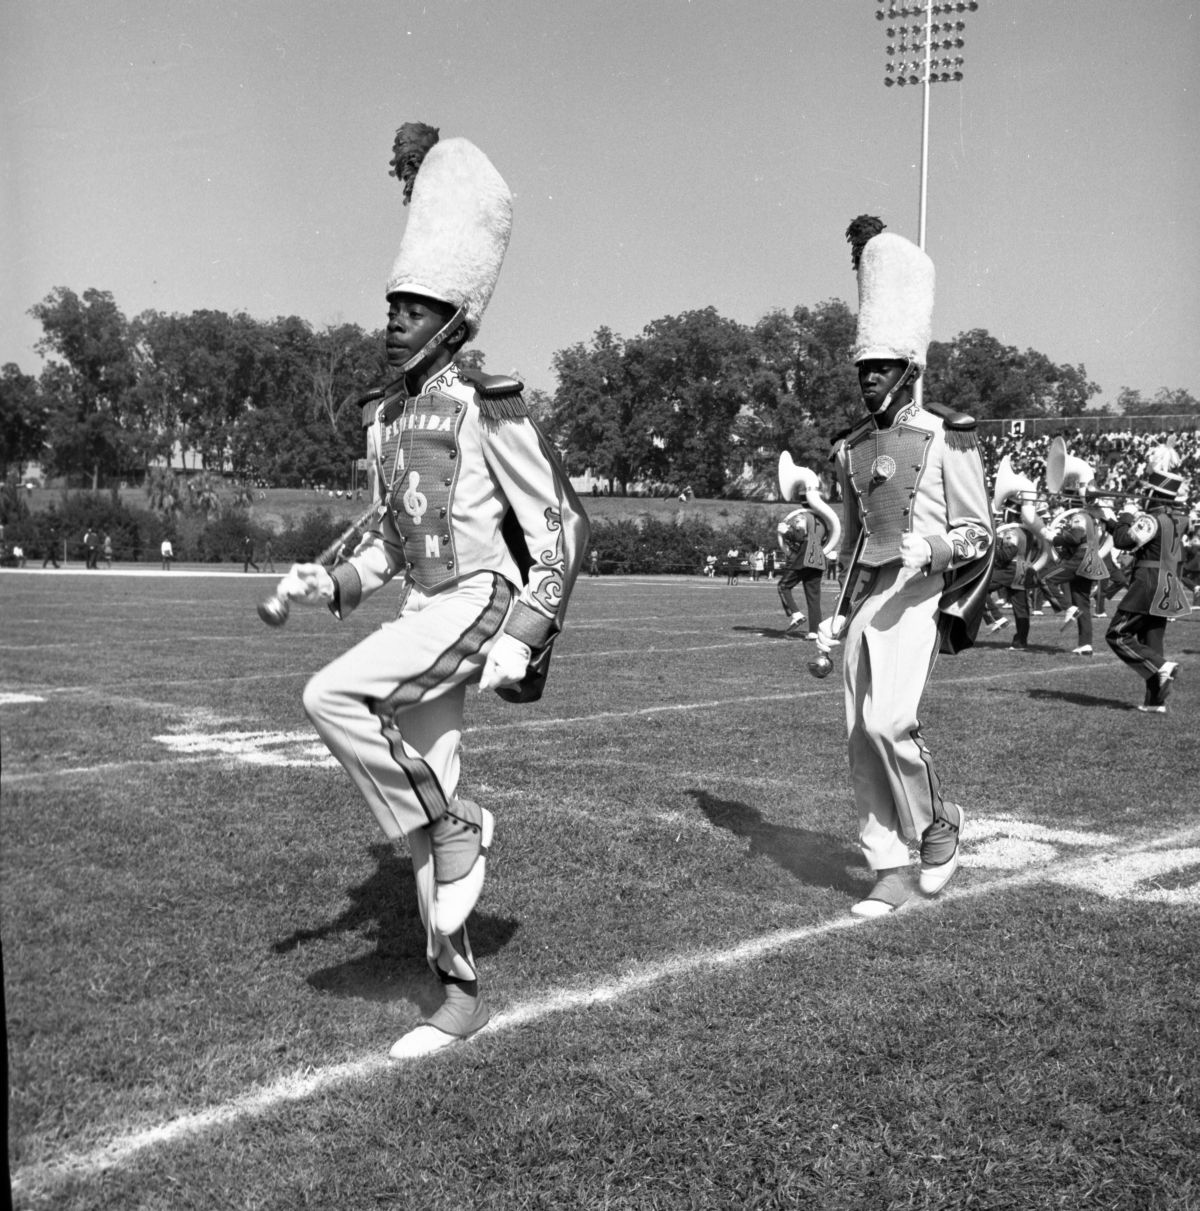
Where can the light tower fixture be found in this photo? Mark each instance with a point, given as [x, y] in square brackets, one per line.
[924, 46]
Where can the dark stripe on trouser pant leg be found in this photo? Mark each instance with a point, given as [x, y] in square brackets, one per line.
[422, 779]
[1127, 645]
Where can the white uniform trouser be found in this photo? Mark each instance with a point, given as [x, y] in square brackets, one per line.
[391, 711]
[891, 644]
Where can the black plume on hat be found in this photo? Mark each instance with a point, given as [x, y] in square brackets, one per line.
[865, 227]
[413, 141]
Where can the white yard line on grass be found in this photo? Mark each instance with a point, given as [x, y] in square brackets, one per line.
[256, 747]
[1122, 863]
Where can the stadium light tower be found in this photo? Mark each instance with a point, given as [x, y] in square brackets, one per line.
[925, 52]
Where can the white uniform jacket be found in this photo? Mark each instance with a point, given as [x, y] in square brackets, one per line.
[467, 483]
[923, 476]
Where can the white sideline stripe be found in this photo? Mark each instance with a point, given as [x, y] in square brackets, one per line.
[299, 1086]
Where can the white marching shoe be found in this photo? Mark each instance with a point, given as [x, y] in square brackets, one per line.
[939, 850]
[462, 1014]
[893, 889]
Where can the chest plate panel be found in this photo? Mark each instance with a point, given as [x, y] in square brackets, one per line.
[885, 469]
[419, 455]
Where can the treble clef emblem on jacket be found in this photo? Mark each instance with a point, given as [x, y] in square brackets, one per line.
[415, 503]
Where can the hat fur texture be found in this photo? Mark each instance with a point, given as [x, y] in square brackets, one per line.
[459, 223]
[895, 301]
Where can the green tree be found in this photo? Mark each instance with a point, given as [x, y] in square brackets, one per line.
[975, 373]
[1166, 401]
[691, 372]
[22, 420]
[93, 424]
[594, 417]
[804, 388]
[292, 431]
[164, 492]
[203, 495]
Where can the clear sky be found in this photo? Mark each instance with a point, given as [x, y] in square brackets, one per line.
[665, 155]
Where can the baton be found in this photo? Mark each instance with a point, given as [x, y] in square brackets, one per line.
[820, 665]
[275, 609]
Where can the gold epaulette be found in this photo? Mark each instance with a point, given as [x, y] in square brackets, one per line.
[500, 397]
[959, 421]
[959, 427]
[369, 402]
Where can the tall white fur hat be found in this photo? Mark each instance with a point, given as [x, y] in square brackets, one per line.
[895, 297]
[459, 221]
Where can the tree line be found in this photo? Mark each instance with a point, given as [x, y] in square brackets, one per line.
[695, 400]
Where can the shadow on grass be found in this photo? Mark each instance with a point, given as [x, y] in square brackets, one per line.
[1112, 704]
[384, 908]
[816, 859]
[769, 632]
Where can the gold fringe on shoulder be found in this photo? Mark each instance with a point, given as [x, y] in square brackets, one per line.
[503, 407]
[961, 439]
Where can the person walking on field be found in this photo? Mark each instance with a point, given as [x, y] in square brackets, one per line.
[918, 540]
[1154, 534]
[50, 555]
[248, 554]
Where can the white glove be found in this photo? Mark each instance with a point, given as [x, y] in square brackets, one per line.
[829, 633]
[915, 552]
[507, 663]
[307, 583]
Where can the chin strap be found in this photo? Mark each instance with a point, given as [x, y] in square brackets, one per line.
[433, 346]
[911, 371]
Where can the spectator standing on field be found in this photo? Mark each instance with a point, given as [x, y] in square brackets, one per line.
[268, 557]
[89, 548]
[108, 551]
[168, 554]
[248, 555]
[52, 539]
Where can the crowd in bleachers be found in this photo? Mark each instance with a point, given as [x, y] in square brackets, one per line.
[1117, 458]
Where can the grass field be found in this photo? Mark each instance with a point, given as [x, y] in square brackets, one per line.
[208, 950]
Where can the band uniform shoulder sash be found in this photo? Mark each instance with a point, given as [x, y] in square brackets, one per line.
[1169, 598]
[814, 542]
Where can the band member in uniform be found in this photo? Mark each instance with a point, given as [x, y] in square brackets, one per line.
[1078, 538]
[917, 534]
[1023, 548]
[479, 526]
[1155, 536]
[806, 536]
[1010, 570]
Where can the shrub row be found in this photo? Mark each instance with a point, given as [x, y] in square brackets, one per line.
[137, 534]
[629, 547]
[654, 545]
